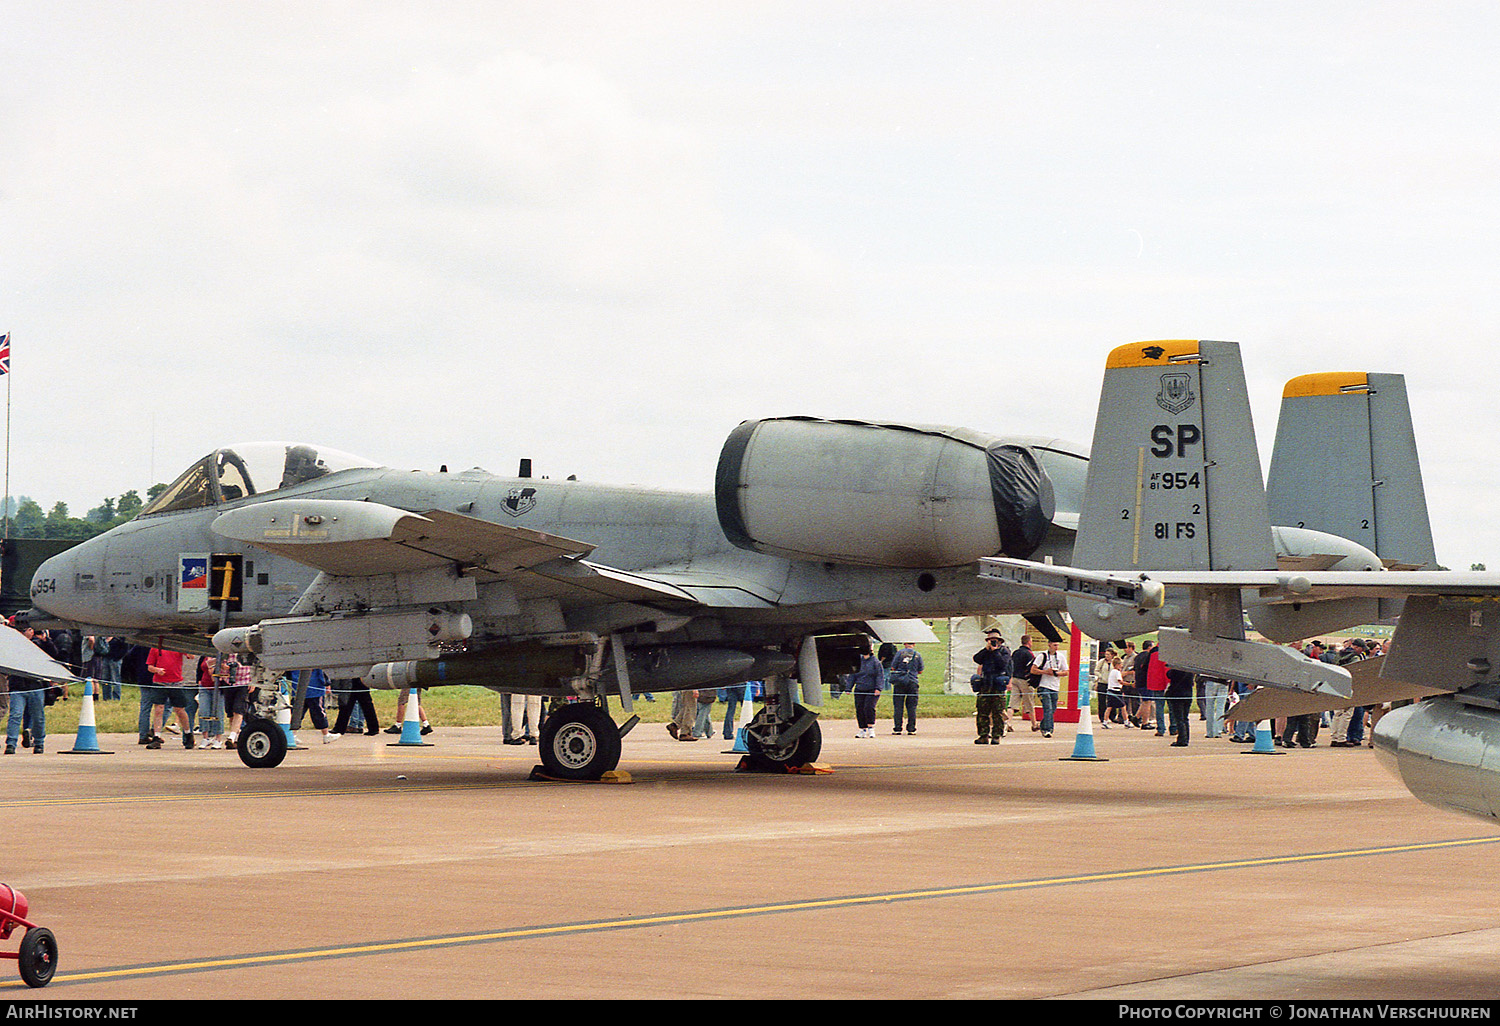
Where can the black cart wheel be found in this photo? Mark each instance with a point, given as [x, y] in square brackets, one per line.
[805, 749]
[579, 742]
[38, 956]
[261, 744]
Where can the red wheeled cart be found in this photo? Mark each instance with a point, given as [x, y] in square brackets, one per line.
[38, 954]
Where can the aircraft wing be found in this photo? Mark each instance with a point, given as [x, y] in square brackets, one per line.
[1143, 589]
[1322, 585]
[352, 539]
[581, 578]
[1442, 604]
[20, 657]
[1370, 688]
[360, 539]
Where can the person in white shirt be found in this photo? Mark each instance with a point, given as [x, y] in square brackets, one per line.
[1050, 667]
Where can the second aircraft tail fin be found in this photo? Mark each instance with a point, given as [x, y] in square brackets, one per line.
[1345, 462]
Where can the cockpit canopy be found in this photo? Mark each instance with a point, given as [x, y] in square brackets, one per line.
[254, 469]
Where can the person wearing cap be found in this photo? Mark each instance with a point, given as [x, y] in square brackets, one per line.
[993, 662]
[904, 674]
[868, 682]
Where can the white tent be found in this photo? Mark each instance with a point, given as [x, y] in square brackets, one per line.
[966, 636]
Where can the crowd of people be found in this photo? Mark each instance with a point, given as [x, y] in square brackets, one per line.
[201, 699]
[1137, 689]
[204, 700]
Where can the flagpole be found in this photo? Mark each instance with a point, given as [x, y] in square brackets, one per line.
[6, 340]
[5, 366]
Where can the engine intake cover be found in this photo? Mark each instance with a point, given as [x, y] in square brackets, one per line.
[887, 495]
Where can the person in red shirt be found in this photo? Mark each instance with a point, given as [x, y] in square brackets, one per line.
[165, 667]
[1156, 689]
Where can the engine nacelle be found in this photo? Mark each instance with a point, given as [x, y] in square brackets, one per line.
[1446, 753]
[883, 495]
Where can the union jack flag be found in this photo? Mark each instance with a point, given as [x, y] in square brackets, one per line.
[5, 353]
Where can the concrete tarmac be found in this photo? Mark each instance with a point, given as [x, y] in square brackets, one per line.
[923, 867]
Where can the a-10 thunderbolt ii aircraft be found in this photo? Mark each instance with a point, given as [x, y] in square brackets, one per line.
[1178, 534]
[817, 534]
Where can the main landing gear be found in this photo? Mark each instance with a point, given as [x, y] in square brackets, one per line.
[579, 741]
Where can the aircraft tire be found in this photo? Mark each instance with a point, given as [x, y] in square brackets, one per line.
[261, 744]
[579, 742]
[38, 956]
[806, 749]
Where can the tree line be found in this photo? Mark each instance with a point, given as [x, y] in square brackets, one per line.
[28, 520]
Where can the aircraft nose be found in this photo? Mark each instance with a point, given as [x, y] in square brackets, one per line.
[68, 584]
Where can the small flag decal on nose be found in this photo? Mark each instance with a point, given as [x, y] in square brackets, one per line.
[192, 579]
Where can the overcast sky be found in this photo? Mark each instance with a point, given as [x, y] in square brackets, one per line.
[602, 235]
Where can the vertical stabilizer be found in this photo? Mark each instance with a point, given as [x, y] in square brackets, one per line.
[1174, 480]
[1345, 462]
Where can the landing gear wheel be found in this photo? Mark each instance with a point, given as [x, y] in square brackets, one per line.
[262, 744]
[38, 956]
[805, 749]
[579, 742]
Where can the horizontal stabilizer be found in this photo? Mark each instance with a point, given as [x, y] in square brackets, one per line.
[1370, 688]
[1133, 591]
[1321, 561]
[1254, 662]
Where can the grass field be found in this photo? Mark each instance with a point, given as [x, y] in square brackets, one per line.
[465, 706]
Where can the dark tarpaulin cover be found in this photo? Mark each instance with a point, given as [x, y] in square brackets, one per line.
[1024, 502]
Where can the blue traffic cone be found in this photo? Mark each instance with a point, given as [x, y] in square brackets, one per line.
[747, 703]
[411, 726]
[1263, 743]
[1083, 743]
[87, 740]
[284, 717]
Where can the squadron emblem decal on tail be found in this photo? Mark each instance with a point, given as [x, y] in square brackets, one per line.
[1176, 392]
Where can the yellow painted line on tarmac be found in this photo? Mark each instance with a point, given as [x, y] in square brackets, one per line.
[739, 912]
